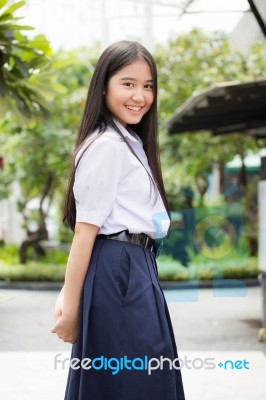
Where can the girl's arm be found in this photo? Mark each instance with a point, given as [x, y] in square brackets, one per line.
[58, 309]
[66, 325]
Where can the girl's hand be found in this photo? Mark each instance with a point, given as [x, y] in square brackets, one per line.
[66, 329]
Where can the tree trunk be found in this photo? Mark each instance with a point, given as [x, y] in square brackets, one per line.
[34, 238]
[32, 241]
[202, 186]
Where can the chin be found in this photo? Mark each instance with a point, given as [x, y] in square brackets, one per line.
[135, 121]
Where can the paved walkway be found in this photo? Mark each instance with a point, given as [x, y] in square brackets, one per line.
[218, 327]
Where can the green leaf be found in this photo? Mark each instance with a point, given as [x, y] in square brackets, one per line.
[22, 67]
[16, 27]
[40, 42]
[14, 7]
[5, 17]
[3, 3]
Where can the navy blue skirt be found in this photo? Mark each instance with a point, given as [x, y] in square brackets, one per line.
[125, 330]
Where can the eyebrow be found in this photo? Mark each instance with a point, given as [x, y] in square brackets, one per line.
[128, 78]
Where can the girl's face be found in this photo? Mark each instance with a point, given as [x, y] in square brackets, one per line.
[129, 93]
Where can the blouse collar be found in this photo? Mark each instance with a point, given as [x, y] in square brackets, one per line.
[131, 135]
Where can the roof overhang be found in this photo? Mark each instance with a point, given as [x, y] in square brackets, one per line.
[223, 108]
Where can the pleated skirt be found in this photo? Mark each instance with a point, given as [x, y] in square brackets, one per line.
[123, 322]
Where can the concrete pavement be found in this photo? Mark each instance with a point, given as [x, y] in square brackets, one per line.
[216, 326]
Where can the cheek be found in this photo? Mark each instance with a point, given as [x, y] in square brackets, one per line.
[117, 97]
[110, 100]
[150, 99]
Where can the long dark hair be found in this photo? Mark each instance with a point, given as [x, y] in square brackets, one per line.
[96, 115]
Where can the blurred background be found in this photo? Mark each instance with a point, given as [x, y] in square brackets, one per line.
[204, 50]
[211, 57]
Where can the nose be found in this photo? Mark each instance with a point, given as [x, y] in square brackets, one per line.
[138, 95]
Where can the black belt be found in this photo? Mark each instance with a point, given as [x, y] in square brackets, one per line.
[137, 238]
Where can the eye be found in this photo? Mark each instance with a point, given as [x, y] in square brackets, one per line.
[128, 84]
[149, 86]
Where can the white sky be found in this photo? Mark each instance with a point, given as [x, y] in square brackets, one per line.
[73, 23]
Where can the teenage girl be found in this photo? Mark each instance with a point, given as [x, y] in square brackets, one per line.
[111, 307]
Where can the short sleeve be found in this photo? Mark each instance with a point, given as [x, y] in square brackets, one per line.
[96, 181]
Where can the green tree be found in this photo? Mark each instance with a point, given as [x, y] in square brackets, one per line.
[189, 63]
[27, 81]
[38, 152]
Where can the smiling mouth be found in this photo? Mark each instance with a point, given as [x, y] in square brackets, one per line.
[134, 108]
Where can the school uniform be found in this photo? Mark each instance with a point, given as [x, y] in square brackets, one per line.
[124, 318]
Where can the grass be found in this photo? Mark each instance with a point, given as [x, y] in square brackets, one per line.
[50, 269]
[32, 271]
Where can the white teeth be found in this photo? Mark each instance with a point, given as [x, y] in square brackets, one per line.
[134, 108]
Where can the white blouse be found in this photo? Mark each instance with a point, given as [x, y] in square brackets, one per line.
[112, 189]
